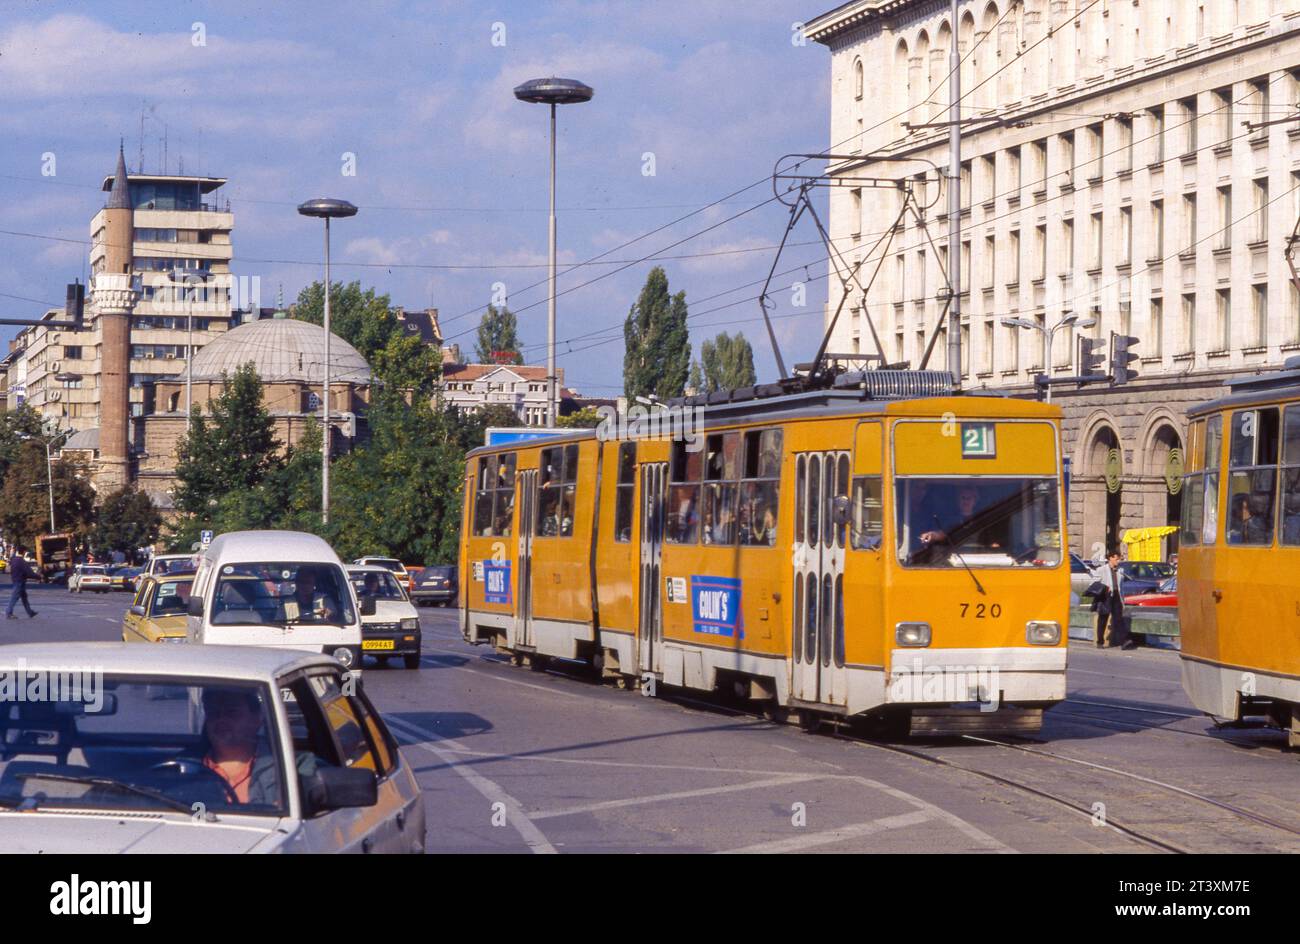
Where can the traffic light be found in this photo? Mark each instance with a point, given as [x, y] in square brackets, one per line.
[1122, 357]
[74, 307]
[1091, 358]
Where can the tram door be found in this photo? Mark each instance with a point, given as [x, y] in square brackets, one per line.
[650, 633]
[817, 634]
[526, 502]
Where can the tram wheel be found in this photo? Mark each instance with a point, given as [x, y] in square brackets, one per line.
[516, 659]
[777, 714]
[810, 721]
[538, 663]
[623, 683]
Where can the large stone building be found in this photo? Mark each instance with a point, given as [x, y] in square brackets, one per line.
[522, 388]
[1114, 179]
[173, 239]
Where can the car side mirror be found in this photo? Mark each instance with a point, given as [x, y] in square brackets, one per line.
[196, 606]
[368, 605]
[340, 788]
[137, 610]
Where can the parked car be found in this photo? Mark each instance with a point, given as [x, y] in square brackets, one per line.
[123, 764]
[131, 578]
[118, 576]
[90, 577]
[435, 584]
[157, 613]
[388, 563]
[1143, 576]
[161, 564]
[1165, 595]
[278, 589]
[394, 627]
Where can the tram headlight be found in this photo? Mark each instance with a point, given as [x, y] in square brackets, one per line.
[1043, 632]
[912, 635]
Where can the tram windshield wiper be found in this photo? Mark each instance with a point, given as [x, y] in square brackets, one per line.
[954, 550]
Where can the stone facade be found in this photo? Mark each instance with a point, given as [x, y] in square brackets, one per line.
[1118, 183]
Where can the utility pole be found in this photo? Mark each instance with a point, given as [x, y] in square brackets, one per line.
[954, 203]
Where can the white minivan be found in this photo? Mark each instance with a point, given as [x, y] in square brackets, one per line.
[276, 588]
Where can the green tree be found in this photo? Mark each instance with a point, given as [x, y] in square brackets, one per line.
[228, 451]
[368, 322]
[25, 497]
[498, 337]
[467, 428]
[586, 418]
[400, 494]
[727, 363]
[657, 341]
[125, 520]
[17, 426]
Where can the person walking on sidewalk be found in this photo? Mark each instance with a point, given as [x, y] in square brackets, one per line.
[19, 573]
[1108, 602]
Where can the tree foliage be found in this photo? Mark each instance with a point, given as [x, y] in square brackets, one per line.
[229, 450]
[127, 519]
[586, 418]
[498, 337]
[725, 363]
[25, 496]
[367, 321]
[657, 341]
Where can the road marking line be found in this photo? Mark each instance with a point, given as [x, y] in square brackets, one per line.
[678, 795]
[528, 831]
[961, 825]
[811, 775]
[839, 834]
[1120, 675]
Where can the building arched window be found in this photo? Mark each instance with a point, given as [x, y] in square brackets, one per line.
[857, 79]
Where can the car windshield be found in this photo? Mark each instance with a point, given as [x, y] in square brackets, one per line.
[171, 598]
[92, 571]
[437, 573]
[101, 742]
[381, 586]
[1146, 570]
[178, 566]
[978, 522]
[281, 592]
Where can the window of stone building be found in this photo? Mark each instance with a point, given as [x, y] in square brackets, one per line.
[1014, 180]
[1098, 242]
[1157, 236]
[1259, 229]
[1067, 157]
[986, 356]
[1259, 315]
[1097, 156]
[1040, 252]
[900, 278]
[857, 80]
[1067, 247]
[1294, 334]
[1013, 257]
[990, 261]
[1156, 328]
[1040, 164]
[965, 184]
[1223, 319]
[1189, 223]
[1012, 348]
[1188, 108]
[1189, 324]
[1222, 101]
[1124, 146]
[965, 266]
[1223, 236]
[1157, 113]
[1126, 235]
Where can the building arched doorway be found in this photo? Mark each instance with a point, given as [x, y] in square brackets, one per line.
[1104, 501]
[1163, 504]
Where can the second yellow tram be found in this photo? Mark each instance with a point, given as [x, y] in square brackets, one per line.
[862, 550]
[1239, 553]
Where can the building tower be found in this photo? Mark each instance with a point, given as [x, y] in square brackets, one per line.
[113, 297]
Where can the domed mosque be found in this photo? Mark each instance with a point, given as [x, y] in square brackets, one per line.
[289, 357]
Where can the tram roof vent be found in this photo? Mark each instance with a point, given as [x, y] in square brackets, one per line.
[898, 384]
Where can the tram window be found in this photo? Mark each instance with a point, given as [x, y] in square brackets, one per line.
[685, 463]
[839, 621]
[800, 476]
[1290, 509]
[1210, 504]
[557, 497]
[1213, 442]
[624, 492]
[760, 491]
[484, 495]
[566, 510]
[571, 463]
[1252, 482]
[868, 512]
[719, 514]
[683, 514]
[722, 455]
[1193, 509]
[841, 490]
[504, 507]
[978, 521]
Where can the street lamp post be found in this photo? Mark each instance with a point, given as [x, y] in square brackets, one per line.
[49, 465]
[1068, 321]
[327, 210]
[552, 92]
[185, 277]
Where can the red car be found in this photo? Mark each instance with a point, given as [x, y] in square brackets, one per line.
[1165, 595]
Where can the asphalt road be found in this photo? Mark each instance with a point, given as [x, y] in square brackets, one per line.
[515, 760]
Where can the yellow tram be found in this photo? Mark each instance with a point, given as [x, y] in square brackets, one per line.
[881, 547]
[1239, 552]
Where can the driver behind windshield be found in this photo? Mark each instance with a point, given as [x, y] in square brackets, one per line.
[313, 603]
[236, 752]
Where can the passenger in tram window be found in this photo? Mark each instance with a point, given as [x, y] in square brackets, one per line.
[566, 513]
[1249, 521]
[550, 504]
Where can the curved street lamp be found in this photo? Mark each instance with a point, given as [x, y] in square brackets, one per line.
[326, 209]
[552, 92]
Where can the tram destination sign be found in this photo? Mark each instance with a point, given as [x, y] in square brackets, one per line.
[977, 441]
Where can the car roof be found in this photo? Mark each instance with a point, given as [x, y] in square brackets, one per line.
[378, 557]
[367, 569]
[168, 557]
[190, 659]
[252, 547]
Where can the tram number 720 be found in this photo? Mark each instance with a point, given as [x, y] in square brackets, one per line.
[980, 610]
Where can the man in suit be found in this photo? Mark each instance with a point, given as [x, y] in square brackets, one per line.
[19, 573]
[1108, 602]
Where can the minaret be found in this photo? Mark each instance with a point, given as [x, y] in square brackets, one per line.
[114, 300]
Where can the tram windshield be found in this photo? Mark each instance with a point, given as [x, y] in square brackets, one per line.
[978, 521]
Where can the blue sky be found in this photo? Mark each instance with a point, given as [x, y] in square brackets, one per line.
[450, 168]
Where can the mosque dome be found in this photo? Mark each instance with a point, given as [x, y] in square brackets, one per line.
[281, 350]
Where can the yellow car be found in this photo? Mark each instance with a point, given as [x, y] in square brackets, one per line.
[157, 613]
